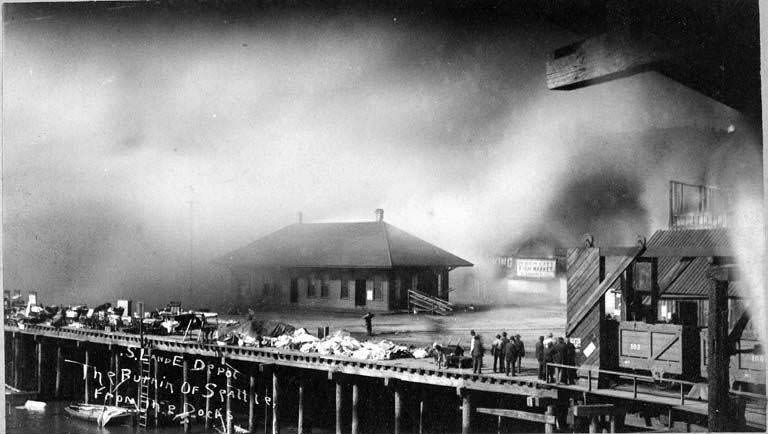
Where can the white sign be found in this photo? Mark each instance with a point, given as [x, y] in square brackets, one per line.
[589, 349]
[535, 268]
[369, 294]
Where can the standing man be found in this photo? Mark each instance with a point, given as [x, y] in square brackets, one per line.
[539, 351]
[477, 353]
[496, 353]
[520, 354]
[570, 359]
[558, 356]
[503, 352]
[368, 317]
[548, 358]
[510, 355]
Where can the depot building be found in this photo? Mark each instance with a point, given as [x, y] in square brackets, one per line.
[368, 265]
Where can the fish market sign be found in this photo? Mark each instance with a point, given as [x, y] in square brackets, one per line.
[535, 268]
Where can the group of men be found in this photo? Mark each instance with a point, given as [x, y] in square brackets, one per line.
[508, 353]
[559, 351]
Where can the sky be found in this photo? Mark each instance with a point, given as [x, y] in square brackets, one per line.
[142, 142]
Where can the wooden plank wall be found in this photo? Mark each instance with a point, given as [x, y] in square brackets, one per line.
[584, 273]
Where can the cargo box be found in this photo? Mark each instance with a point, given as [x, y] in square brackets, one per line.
[744, 367]
[662, 349]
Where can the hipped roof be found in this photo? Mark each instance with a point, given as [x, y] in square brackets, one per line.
[342, 245]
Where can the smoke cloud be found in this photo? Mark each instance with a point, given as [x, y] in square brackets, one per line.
[142, 143]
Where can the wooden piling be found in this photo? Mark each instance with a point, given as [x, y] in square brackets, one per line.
[466, 403]
[355, 403]
[86, 383]
[116, 356]
[718, 355]
[548, 427]
[275, 402]
[17, 360]
[398, 409]
[184, 399]
[421, 412]
[39, 367]
[229, 405]
[57, 389]
[156, 396]
[339, 397]
[593, 424]
[252, 403]
[208, 399]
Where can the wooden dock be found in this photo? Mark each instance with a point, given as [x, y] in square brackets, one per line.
[408, 373]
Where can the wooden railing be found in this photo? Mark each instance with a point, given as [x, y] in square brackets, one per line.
[645, 379]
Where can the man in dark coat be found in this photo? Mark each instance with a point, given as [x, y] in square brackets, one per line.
[477, 354]
[510, 355]
[549, 358]
[368, 317]
[570, 359]
[496, 352]
[539, 352]
[520, 353]
[558, 356]
[502, 357]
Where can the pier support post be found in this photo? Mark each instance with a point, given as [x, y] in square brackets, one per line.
[229, 405]
[548, 427]
[39, 366]
[184, 399]
[304, 423]
[339, 403]
[422, 398]
[86, 383]
[156, 396]
[252, 403]
[275, 402]
[718, 352]
[116, 357]
[57, 389]
[398, 410]
[17, 360]
[208, 398]
[355, 403]
[466, 409]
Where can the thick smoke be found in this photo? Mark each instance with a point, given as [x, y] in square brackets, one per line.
[139, 146]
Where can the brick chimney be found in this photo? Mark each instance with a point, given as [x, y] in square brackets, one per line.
[379, 215]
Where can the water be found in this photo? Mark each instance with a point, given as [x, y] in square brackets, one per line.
[54, 420]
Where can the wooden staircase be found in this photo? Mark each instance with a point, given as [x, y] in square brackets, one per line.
[421, 302]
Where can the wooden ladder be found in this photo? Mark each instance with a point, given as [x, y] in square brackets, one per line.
[144, 390]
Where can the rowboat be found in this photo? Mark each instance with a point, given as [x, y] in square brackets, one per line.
[101, 414]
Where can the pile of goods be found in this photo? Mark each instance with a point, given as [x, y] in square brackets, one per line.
[339, 343]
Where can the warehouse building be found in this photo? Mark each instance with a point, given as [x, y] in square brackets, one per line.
[361, 265]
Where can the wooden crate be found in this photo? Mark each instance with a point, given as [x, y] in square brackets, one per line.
[746, 367]
[659, 348]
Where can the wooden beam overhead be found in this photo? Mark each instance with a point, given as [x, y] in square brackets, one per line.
[604, 57]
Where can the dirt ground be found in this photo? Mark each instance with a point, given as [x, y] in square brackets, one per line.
[422, 329]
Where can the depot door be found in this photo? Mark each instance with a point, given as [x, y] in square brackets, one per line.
[294, 290]
[360, 292]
